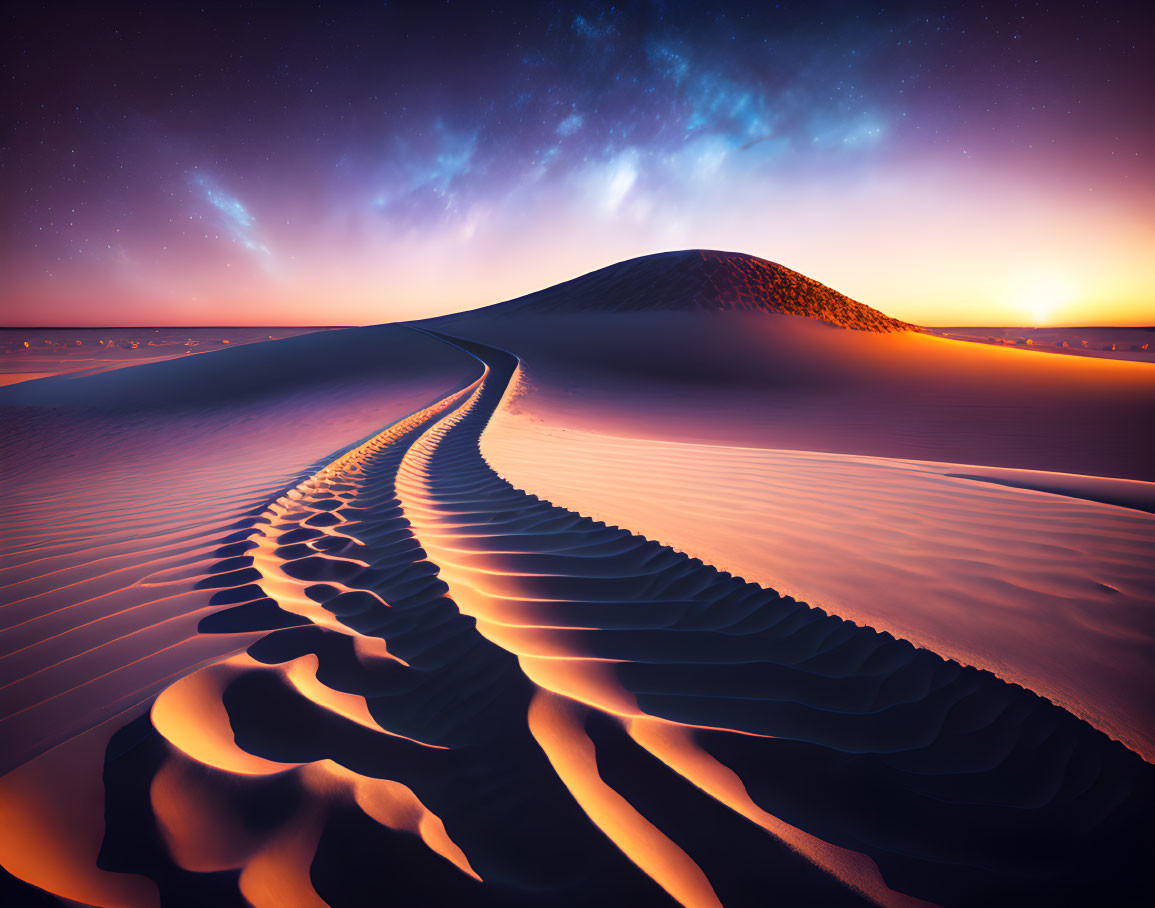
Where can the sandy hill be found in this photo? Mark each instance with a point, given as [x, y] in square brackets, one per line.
[695, 280]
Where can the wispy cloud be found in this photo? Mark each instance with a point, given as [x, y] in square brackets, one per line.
[238, 222]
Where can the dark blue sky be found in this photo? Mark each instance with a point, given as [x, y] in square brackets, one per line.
[178, 163]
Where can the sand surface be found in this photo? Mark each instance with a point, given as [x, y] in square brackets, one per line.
[115, 512]
[681, 606]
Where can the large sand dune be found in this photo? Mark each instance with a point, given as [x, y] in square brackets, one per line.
[775, 381]
[696, 280]
[392, 614]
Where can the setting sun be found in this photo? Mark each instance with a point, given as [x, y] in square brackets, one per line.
[1041, 296]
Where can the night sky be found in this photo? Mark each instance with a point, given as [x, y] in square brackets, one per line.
[252, 163]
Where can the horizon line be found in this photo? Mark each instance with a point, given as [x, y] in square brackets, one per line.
[155, 327]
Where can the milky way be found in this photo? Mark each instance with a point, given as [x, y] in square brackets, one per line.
[257, 164]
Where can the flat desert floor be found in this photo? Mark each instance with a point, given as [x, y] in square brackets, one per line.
[28, 353]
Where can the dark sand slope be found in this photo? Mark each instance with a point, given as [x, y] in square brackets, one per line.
[457, 693]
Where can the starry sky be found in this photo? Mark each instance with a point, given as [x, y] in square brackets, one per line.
[261, 163]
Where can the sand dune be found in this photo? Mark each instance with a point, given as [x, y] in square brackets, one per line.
[696, 280]
[286, 626]
[471, 654]
[775, 381]
[114, 517]
[843, 467]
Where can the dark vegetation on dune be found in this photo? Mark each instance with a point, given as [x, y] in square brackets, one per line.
[699, 279]
[962, 788]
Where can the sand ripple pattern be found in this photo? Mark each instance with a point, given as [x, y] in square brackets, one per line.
[467, 695]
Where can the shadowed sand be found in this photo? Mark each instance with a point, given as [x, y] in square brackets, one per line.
[376, 670]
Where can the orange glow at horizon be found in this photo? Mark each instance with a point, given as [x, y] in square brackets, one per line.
[931, 245]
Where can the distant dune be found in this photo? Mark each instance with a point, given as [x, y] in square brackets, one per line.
[656, 587]
[698, 280]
